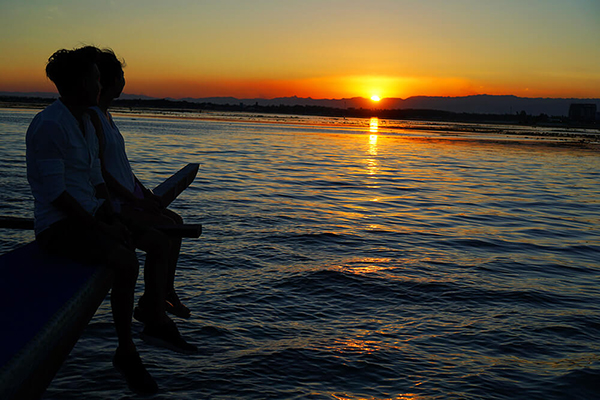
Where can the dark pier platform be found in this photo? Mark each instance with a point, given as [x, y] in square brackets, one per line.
[46, 303]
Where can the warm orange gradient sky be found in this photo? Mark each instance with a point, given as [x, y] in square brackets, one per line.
[316, 48]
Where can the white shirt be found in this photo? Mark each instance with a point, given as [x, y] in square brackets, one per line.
[61, 158]
[115, 159]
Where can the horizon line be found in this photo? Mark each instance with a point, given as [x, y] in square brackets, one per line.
[131, 95]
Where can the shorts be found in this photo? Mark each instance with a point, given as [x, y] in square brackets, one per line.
[69, 238]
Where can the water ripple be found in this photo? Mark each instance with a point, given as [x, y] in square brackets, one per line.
[335, 265]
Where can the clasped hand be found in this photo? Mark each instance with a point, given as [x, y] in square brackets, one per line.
[151, 204]
[117, 230]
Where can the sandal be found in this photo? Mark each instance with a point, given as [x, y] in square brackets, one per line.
[176, 307]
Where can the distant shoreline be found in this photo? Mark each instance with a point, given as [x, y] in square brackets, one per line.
[570, 134]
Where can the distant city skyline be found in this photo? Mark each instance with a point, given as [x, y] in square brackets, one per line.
[320, 49]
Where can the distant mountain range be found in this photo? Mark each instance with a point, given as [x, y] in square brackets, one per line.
[477, 104]
[52, 95]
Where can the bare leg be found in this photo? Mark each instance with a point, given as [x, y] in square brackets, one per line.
[175, 249]
[126, 359]
[157, 247]
[92, 244]
[126, 267]
[166, 217]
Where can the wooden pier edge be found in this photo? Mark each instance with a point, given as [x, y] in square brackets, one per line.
[38, 333]
[173, 186]
[173, 230]
[29, 371]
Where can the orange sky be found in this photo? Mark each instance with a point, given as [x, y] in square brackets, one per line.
[319, 49]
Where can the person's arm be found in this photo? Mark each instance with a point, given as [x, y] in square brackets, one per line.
[148, 194]
[48, 147]
[66, 203]
[103, 193]
[112, 184]
[97, 180]
[116, 188]
[100, 171]
[111, 224]
[121, 191]
[71, 207]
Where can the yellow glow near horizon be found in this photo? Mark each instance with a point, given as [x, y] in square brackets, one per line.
[270, 54]
[375, 98]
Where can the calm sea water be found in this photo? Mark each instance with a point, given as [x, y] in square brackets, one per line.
[355, 262]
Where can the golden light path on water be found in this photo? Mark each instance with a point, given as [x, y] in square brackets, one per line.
[362, 263]
[374, 125]
[372, 164]
[408, 396]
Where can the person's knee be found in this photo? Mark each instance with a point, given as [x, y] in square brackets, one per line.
[125, 263]
[155, 242]
[173, 216]
[131, 263]
[177, 218]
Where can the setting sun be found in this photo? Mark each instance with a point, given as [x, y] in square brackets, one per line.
[375, 98]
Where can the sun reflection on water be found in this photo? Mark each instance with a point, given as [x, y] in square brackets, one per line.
[372, 164]
[407, 396]
[374, 125]
[373, 145]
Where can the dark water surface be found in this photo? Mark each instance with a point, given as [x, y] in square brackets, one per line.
[357, 263]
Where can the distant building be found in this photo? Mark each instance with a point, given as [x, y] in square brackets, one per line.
[582, 112]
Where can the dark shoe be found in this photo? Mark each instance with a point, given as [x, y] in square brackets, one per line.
[141, 314]
[172, 305]
[141, 311]
[176, 307]
[131, 367]
[167, 336]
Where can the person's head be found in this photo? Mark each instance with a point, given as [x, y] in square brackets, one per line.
[111, 74]
[75, 74]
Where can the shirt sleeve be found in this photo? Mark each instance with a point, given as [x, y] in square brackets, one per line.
[49, 158]
[92, 139]
[97, 178]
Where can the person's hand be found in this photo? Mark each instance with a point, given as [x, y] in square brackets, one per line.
[148, 204]
[151, 196]
[117, 230]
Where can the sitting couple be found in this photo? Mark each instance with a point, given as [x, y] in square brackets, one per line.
[90, 207]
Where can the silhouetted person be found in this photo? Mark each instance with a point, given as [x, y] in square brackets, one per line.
[73, 216]
[130, 198]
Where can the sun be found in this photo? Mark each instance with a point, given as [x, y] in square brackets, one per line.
[375, 98]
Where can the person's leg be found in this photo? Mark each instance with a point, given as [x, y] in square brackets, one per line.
[157, 247]
[159, 328]
[166, 217]
[174, 254]
[174, 304]
[125, 265]
[126, 358]
[70, 240]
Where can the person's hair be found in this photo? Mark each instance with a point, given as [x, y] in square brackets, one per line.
[110, 67]
[66, 68]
